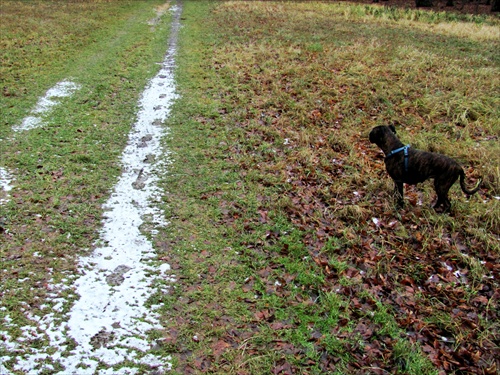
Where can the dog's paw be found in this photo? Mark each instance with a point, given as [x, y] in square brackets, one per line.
[400, 203]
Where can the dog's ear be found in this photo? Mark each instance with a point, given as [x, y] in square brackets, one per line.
[393, 129]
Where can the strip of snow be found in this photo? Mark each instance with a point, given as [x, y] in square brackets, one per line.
[5, 185]
[109, 323]
[46, 103]
[5, 179]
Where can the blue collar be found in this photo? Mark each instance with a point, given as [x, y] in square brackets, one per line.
[405, 150]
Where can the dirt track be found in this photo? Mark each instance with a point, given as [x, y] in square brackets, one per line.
[108, 323]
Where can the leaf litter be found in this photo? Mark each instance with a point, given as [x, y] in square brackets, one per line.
[429, 275]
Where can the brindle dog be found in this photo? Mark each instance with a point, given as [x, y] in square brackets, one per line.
[407, 165]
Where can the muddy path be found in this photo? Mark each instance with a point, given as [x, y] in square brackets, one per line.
[109, 326]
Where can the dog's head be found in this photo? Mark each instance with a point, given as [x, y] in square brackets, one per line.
[379, 133]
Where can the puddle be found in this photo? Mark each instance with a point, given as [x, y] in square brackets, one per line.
[109, 323]
[46, 103]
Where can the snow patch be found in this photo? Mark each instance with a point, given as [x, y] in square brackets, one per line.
[5, 185]
[46, 103]
[5, 179]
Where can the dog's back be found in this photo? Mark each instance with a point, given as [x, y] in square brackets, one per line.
[407, 165]
[422, 165]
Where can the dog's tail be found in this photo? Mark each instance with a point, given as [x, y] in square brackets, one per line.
[464, 188]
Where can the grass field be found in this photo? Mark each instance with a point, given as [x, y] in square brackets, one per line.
[296, 252]
[289, 253]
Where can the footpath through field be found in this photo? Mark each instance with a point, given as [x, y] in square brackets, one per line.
[108, 328]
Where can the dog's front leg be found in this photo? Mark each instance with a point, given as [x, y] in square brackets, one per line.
[398, 193]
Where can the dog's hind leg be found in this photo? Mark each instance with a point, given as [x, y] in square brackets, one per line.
[442, 187]
[398, 193]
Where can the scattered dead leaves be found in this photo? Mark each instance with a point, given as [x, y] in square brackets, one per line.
[436, 277]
